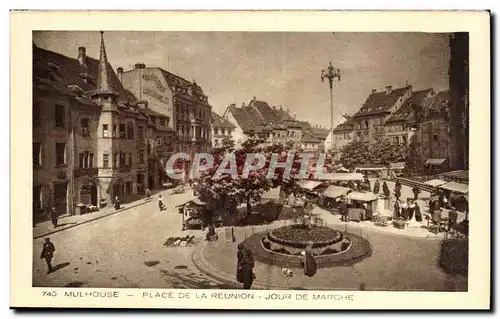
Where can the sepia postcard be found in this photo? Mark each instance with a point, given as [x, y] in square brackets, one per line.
[250, 160]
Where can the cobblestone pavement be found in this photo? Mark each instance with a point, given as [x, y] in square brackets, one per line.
[123, 250]
[397, 263]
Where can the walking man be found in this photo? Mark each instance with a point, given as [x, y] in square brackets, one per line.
[48, 253]
[54, 216]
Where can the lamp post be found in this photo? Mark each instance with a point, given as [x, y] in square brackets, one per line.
[330, 73]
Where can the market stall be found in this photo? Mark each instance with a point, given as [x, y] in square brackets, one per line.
[362, 205]
[330, 195]
[435, 182]
[197, 214]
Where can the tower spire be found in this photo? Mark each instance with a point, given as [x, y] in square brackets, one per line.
[104, 85]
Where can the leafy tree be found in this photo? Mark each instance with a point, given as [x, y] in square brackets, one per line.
[384, 151]
[355, 153]
[249, 189]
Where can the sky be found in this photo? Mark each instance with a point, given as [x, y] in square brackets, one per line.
[281, 68]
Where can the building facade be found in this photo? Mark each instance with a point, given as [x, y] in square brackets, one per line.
[222, 130]
[91, 137]
[182, 103]
[459, 101]
[343, 134]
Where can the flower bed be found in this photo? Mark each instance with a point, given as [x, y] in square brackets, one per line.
[298, 236]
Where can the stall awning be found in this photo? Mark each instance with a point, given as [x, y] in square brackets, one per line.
[363, 197]
[194, 200]
[456, 187]
[343, 177]
[342, 170]
[309, 185]
[435, 182]
[336, 191]
[398, 165]
[435, 161]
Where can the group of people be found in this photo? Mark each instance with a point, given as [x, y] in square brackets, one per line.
[407, 210]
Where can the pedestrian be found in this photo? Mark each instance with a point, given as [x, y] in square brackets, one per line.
[418, 213]
[343, 210]
[398, 185]
[308, 262]
[48, 253]
[148, 193]
[54, 216]
[397, 209]
[416, 191]
[244, 267]
[117, 203]
[404, 210]
[161, 206]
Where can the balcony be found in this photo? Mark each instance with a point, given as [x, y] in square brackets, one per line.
[79, 172]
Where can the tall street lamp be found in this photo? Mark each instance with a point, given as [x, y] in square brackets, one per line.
[330, 73]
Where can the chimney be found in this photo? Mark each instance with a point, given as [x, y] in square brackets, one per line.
[388, 89]
[281, 108]
[288, 111]
[243, 104]
[409, 89]
[374, 91]
[274, 107]
[119, 71]
[294, 116]
[82, 56]
[232, 105]
[254, 99]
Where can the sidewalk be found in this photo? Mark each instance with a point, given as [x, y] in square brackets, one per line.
[46, 228]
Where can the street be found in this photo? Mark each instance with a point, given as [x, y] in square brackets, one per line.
[124, 250]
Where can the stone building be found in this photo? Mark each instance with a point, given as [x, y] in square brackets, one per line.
[370, 119]
[89, 134]
[343, 134]
[182, 103]
[458, 107]
[258, 117]
[222, 129]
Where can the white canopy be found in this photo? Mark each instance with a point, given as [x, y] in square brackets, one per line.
[397, 165]
[336, 191]
[435, 161]
[363, 197]
[435, 182]
[456, 187]
[343, 177]
[309, 185]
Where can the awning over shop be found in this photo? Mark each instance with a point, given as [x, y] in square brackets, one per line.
[309, 185]
[343, 177]
[336, 191]
[193, 200]
[435, 161]
[435, 182]
[398, 165]
[456, 187]
[363, 197]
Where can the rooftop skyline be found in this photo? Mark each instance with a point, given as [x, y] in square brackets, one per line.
[279, 68]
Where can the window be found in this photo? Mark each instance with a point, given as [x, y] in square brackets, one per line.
[115, 130]
[130, 159]
[396, 139]
[37, 154]
[404, 139]
[164, 140]
[130, 131]
[216, 131]
[140, 132]
[80, 160]
[59, 115]
[122, 131]
[105, 160]
[141, 156]
[105, 132]
[122, 159]
[91, 160]
[85, 160]
[162, 121]
[153, 119]
[115, 159]
[158, 141]
[435, 137]
[85, 127]
[367, 125]
[60, 153]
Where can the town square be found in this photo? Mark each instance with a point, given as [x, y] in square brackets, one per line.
[284, 170]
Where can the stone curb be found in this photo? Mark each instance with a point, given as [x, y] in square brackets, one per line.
[204, 267]
[89, 220]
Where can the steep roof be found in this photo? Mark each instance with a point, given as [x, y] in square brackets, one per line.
[440, 99]
[264, 110]
[246, 117]
[346, 126]
[61, 72]
[219, 121]
[310, 137]
[380, 102]
[321, 133]
[421, 98]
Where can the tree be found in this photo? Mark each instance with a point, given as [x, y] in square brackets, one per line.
[384, 151]
[246, 189]
[355, 153]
